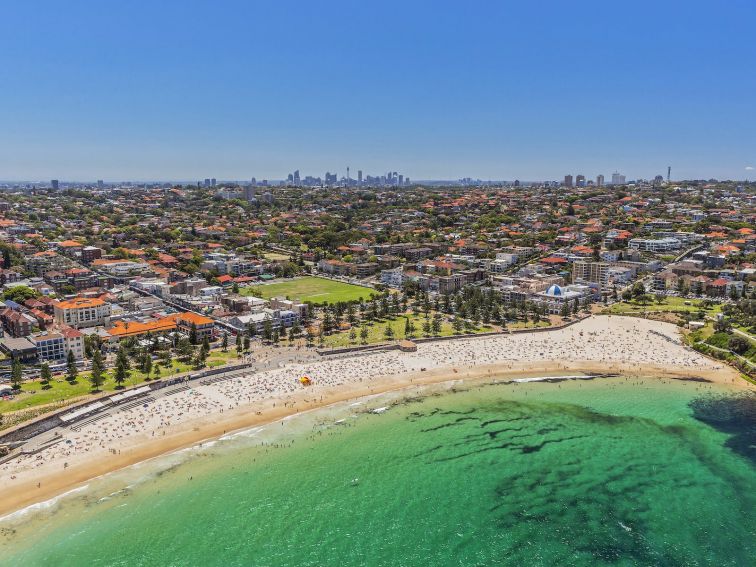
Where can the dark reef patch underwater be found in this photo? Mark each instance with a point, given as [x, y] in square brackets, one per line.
[613, 471]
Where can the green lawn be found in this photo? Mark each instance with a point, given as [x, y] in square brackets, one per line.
[670, 305]
[376, 331]
[528, 325]
[275, 256]
[315, 290]
[32, 394]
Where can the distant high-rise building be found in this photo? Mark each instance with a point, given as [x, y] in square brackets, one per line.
[401, 180]
[406, 180]
[207, 182]
[580, 181]
[54, 184]
[296, 177]
[669, 172]
[212, 182]
[249, 192]
[359, 176]
[618, 179]
[516, 183]
[599, 180]
[568, 180]
[253, 182]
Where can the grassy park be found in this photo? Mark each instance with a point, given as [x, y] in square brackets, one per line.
[376, 333]
[669, 304]
[60, 391]
[312, 289]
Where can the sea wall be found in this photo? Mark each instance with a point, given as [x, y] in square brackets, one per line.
[395, 346]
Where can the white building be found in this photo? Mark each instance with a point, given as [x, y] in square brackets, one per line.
[654, 244]
[393, 277]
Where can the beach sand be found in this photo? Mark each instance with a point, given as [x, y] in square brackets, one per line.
[602, 344]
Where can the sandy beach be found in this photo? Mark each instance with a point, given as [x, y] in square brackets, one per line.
[606, 344]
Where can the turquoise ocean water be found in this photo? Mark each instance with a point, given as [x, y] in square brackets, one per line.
[604, 472]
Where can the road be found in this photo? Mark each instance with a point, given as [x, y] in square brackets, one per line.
[268, 359]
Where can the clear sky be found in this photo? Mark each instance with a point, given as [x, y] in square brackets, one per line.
[498, 90]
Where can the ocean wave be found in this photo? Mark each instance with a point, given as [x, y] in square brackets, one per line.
[42, 506]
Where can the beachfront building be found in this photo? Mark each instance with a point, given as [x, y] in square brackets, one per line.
[82, 312]
[50, 346]
[557, 296]
[204, 326]
[73, 341]
[276, 318]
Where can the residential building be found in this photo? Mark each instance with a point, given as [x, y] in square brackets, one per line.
[82, 312]
[50, 346]
[654, 244]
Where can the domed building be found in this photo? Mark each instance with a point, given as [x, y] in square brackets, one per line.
[556, 296]
[554, 291]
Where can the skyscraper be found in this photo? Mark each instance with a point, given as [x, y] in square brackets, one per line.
[54, 184]
[359, 176]
[580, 181]
[212, 182]
[568, 180]
[618, 179]
[100, 184]
[599, 180]
[207, 182]
[296, 177]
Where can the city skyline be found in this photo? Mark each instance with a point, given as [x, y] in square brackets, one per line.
[437, 90]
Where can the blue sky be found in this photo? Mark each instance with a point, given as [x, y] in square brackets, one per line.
[496, 90]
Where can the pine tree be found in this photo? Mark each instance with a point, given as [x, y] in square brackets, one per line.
[45, 375]
[17, 374]
[71, 371]
[96, 377]
[224, 342]
[436, 324]
[121, 372]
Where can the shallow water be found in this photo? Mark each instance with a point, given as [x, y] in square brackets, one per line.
[607, 472]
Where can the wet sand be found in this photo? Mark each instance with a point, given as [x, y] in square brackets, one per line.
[621, 345]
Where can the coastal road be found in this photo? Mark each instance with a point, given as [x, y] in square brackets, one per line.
[266, 359]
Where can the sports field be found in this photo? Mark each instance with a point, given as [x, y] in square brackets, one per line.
[315, 290]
